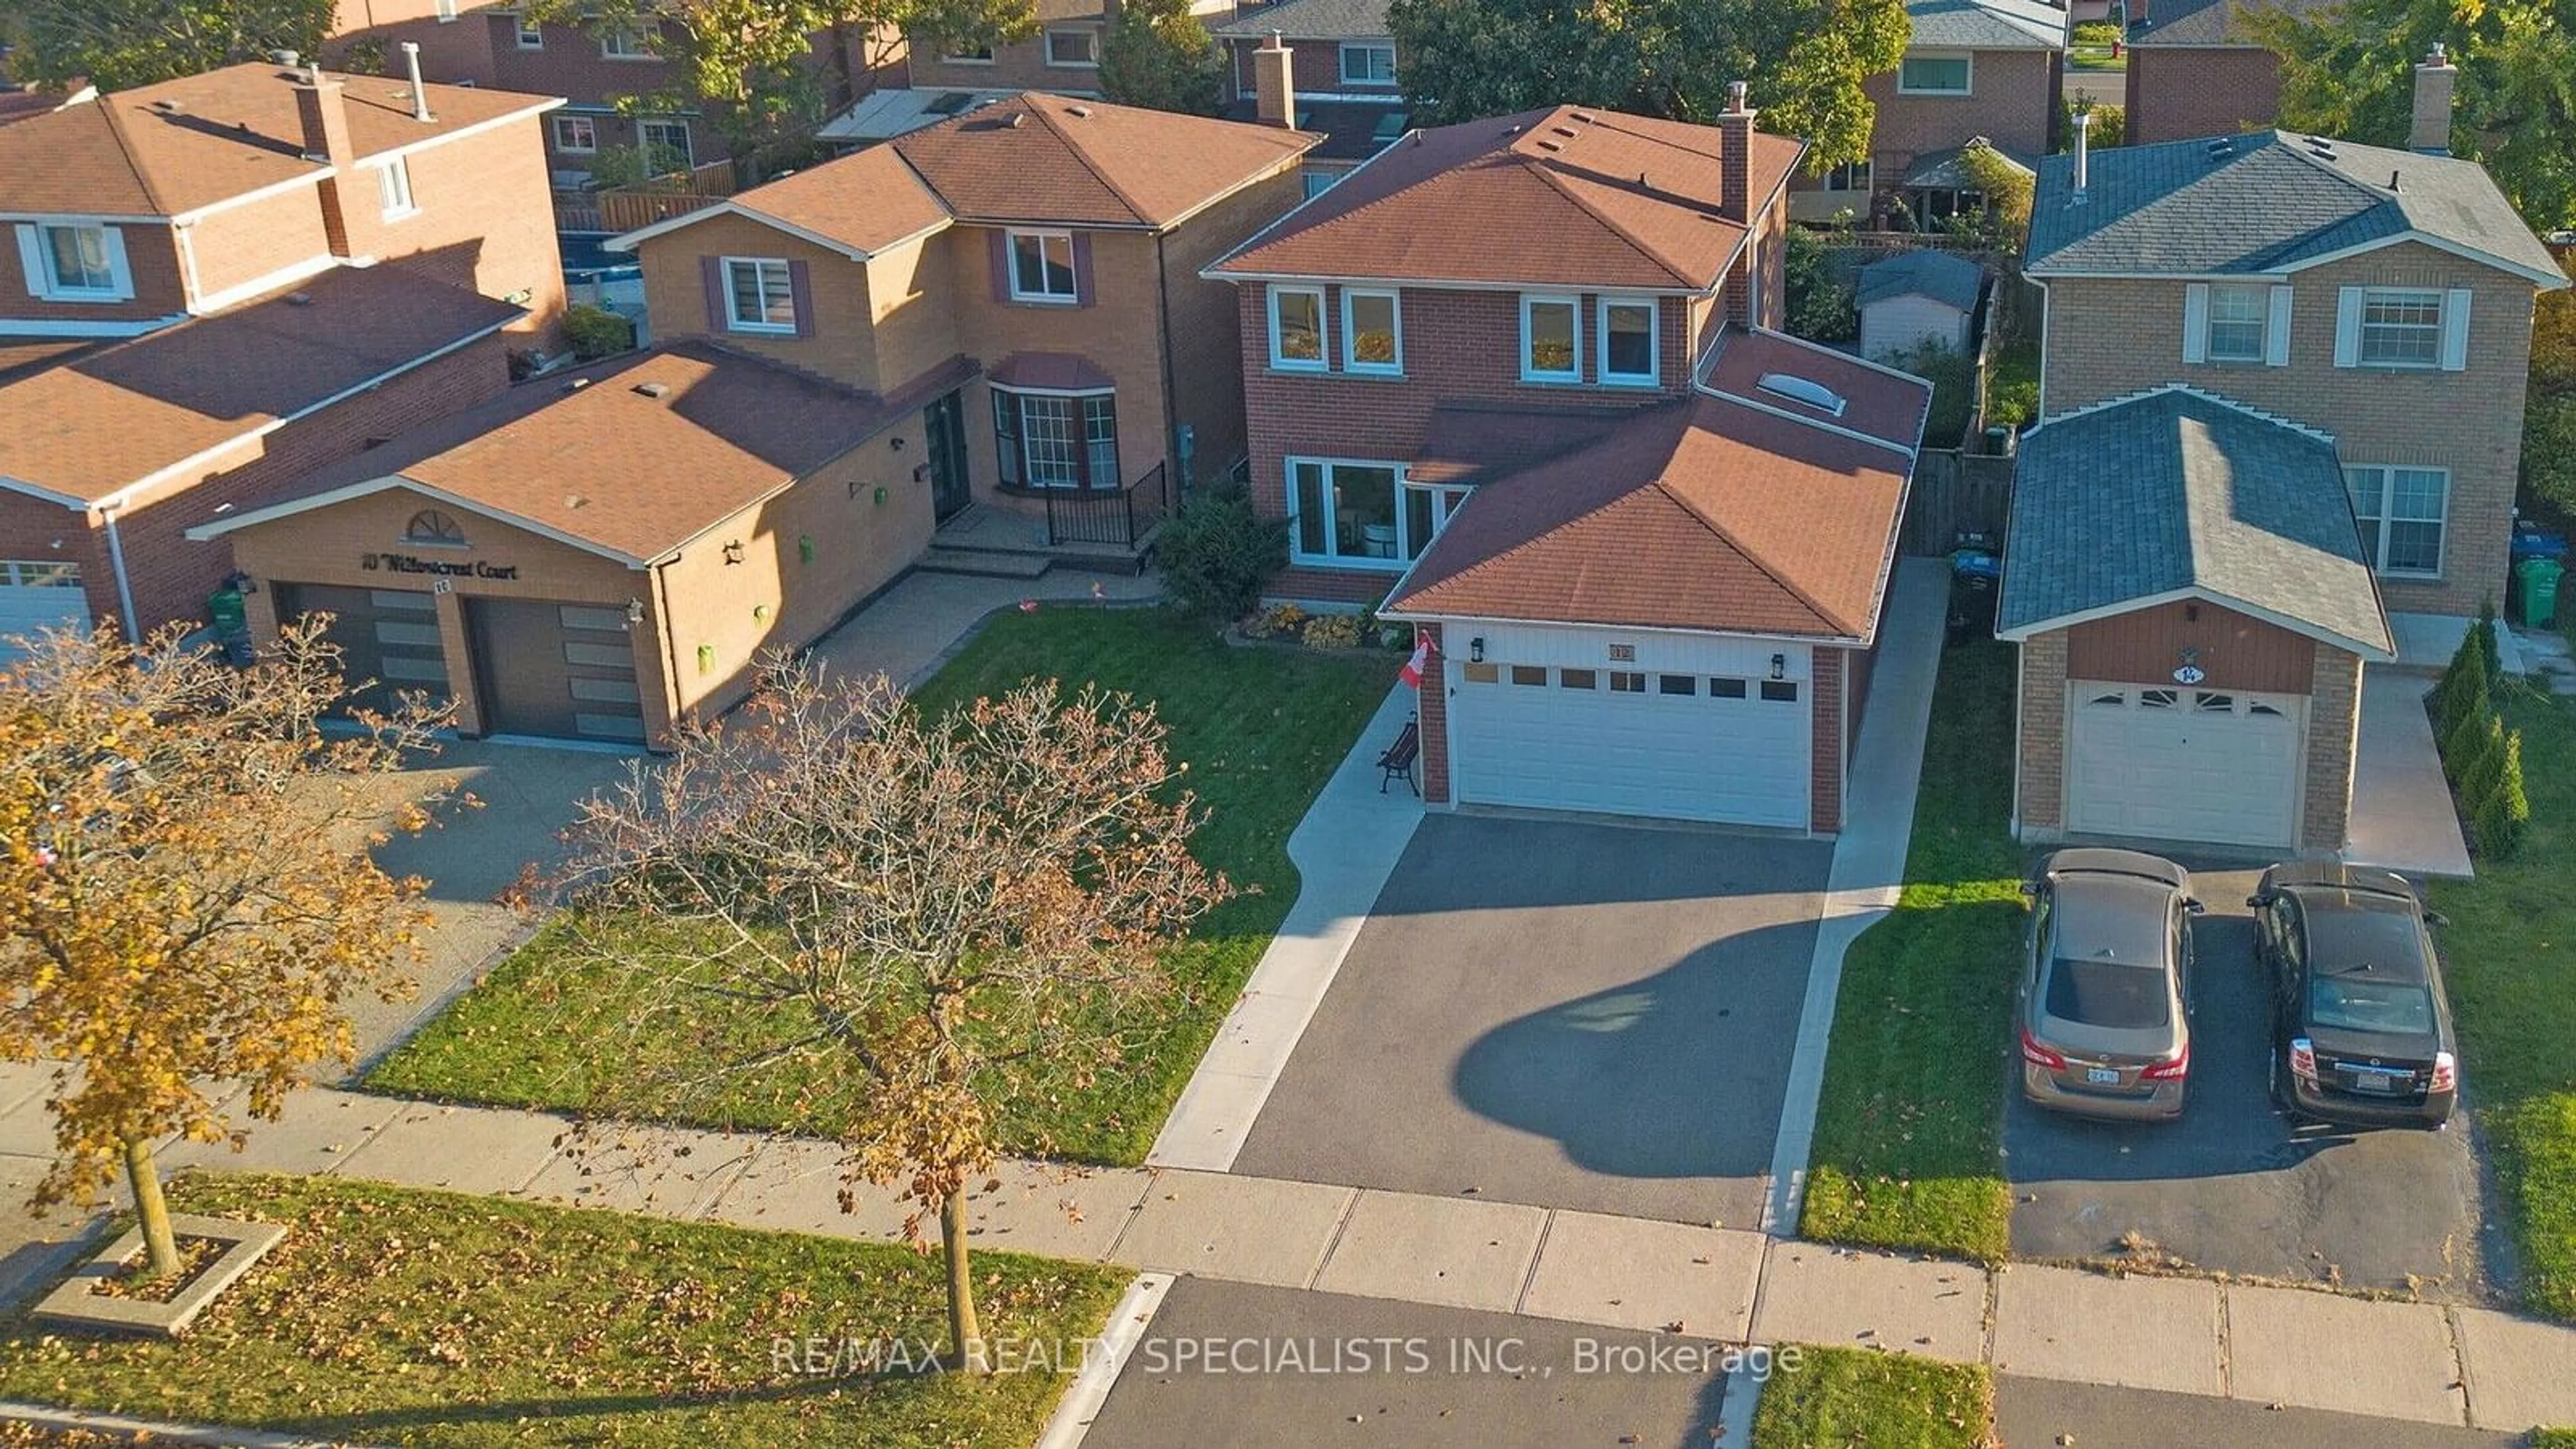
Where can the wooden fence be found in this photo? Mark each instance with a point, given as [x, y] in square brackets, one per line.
[624, 208]
[1953, 493]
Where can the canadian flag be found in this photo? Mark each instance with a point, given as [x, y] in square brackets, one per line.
[1411, 674]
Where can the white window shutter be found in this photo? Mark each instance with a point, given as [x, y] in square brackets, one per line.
[2195, 322]
[2455, 330]
[2276, 330]
[2348, 326]
[31, 255]
[118, 272]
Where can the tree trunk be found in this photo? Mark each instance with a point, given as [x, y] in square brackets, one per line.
[150, 1211]
[965, 1337]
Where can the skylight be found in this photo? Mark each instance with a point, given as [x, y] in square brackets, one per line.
[1803, 390]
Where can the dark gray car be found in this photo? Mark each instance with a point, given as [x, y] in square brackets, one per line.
[2104, 1013]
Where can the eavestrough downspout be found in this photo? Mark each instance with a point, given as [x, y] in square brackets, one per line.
[124, 585]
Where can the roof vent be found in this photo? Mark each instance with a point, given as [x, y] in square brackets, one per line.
[1083, 112]
[1551, 146]
[299, 299]
[575, 500]
[1586, 117]
[286, 58]
[2223, 146]
[2321, 148]
[576, 384]
[2392, 180]
[651, 389]
[168, 107]
[1014, 118]
[1803, 390]
[1562, 130]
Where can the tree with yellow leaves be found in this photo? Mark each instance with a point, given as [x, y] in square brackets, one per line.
[185, 896]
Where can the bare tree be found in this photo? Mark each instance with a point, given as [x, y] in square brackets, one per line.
[933, 912]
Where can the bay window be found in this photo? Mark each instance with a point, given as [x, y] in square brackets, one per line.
[1056, 439]
[2401, 512]
[1365, 514]
[1551, 339]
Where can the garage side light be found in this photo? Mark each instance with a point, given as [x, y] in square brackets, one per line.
[1476, 650]
[706, 659]
[1779, 666]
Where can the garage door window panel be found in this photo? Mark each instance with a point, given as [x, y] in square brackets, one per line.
[1531, 674]
[1727, 688]
[1677, 684]
[1624, 681]
[1483, 673]
[1780, 691]
[1578, 679]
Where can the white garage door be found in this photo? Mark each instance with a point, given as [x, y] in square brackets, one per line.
[1687, 728]
[39, 595]
[2184, 764]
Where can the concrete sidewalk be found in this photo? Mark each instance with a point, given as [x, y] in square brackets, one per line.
[2402, 817]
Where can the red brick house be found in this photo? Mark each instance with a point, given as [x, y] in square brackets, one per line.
[2195, 69]
[1338, 77]
[222, 280]
[1642, 529]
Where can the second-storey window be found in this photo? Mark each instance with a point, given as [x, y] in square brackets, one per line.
[2401, 512]
[1851, 176]
[1628, 352]
[2401, 328]
[576, 134]
[1934, 75]
[1297, 328]
[393, 188]
[74, 262]
[625, 43]
[1551, 339]
[2236, 315]
[759, 295]
[1042, 267]
[1056, 440]
[1372, 332]
[1073, 46]
[532, 36]
[1368, 64]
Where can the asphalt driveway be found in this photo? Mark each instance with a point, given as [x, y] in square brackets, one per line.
[1559, 1013]
[2233, 1187]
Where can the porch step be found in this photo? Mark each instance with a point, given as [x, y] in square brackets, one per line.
[984, 562]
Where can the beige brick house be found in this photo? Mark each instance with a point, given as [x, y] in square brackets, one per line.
[2281, 412]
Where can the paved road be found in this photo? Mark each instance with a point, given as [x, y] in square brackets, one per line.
[1276, 1368]
[2036, 1413]
[1563, 1014]
[2232, 1187]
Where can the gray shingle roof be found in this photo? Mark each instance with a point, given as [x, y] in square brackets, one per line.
[1987, 25]
[2263, 202]
[1927, 272]
[2209, 22]
[1309, 20]
[2177, 491]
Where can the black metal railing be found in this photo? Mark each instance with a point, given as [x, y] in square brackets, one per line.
[1118, 517]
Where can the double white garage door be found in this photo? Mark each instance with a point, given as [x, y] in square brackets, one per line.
[2184, 764]
[37, 595]
[1665, 726]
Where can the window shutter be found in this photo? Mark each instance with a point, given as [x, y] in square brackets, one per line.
[2348, 327]
[711, 276]
[2195, 322]
[1082, 269]
[2276, 330]
[800, 292]
[123, 275]
[2455, 330]
[31, 255]
[1000, 253]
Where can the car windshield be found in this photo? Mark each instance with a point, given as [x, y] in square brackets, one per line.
[2115, 994]
[2358, 1003]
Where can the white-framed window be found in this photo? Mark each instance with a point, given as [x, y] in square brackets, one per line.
[1073, 47]
[445, 10]
[1551, 339]
[1372, 332]
[667, 139]
[1349, 512]
[625, 42]
[1297, 328]
[393, 188]
[531, 36]
[1368, 63]
[74, 262]
[980, 55]
[1630, 355]
[760, 295]
[1056, 439]
[2401, 512]
[1936, 73]
[1042, 267]
[1318, 182]
[578, 135]
[2401, 327]
[1860, 176]
[2237, 313]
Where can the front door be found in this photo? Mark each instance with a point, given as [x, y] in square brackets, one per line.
[945, 421]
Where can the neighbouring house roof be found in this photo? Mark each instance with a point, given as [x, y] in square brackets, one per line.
[596, 461]
[1986, 25]
[2179, 493]
[1309, 20]
[1713, 511]
[1878, 401]
[882, 115]
[2205, 23]
[93, 424]
[1563, 197]
[1352, 130]
[25, 104]
[862, 203]
[1940, 170]
[186, 144]
[1953, 281]
[2267, 202]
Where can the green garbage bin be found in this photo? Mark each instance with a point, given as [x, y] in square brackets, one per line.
[2539, 579]
[227, 613]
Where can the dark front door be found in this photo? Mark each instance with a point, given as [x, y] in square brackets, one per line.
[564, 670]
[945, 421]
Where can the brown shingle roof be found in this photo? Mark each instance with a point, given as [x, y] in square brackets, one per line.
[168, 149]
[93, 424]
[1876, 401]
[1564, 197]
[1046, 158]
[593, 460]
[867, 201]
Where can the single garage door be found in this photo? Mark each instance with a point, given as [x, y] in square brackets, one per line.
[39, 594]
[556, 669]
[2184, 764]
[388, 639]
[1695, 746]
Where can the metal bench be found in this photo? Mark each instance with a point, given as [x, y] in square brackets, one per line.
[1396, 761]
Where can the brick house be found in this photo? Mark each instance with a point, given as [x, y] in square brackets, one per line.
[2310, 356]
[2195, 69]
[225, 279]
[1331, 69]
[1639, 528]
[1974, 69]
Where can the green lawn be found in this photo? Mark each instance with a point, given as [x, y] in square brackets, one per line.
[393, 1316]
[2096, 57]
[1840, 1397]
[1260, 729]
[1907, 1149]
[2509, 950]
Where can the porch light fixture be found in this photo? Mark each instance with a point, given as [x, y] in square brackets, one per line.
[634, 611]
[733, 551]
[1476, 650]
[1779, 666]
[895, 442]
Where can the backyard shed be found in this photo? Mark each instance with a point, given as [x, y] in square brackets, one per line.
[1916, 297]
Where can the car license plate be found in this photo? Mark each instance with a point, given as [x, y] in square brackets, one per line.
[2102, 1076]
[2374, 1082]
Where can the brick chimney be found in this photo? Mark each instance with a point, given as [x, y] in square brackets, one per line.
[1274, 93]
[1735, 152]
[2435, 77]
[324, 116]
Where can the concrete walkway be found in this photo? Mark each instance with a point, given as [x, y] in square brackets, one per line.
[908, 630]
[2402, 817]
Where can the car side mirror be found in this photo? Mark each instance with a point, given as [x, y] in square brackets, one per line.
[2194, 907]
[2436, 918]
[2030, 888]
[2257, 901]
